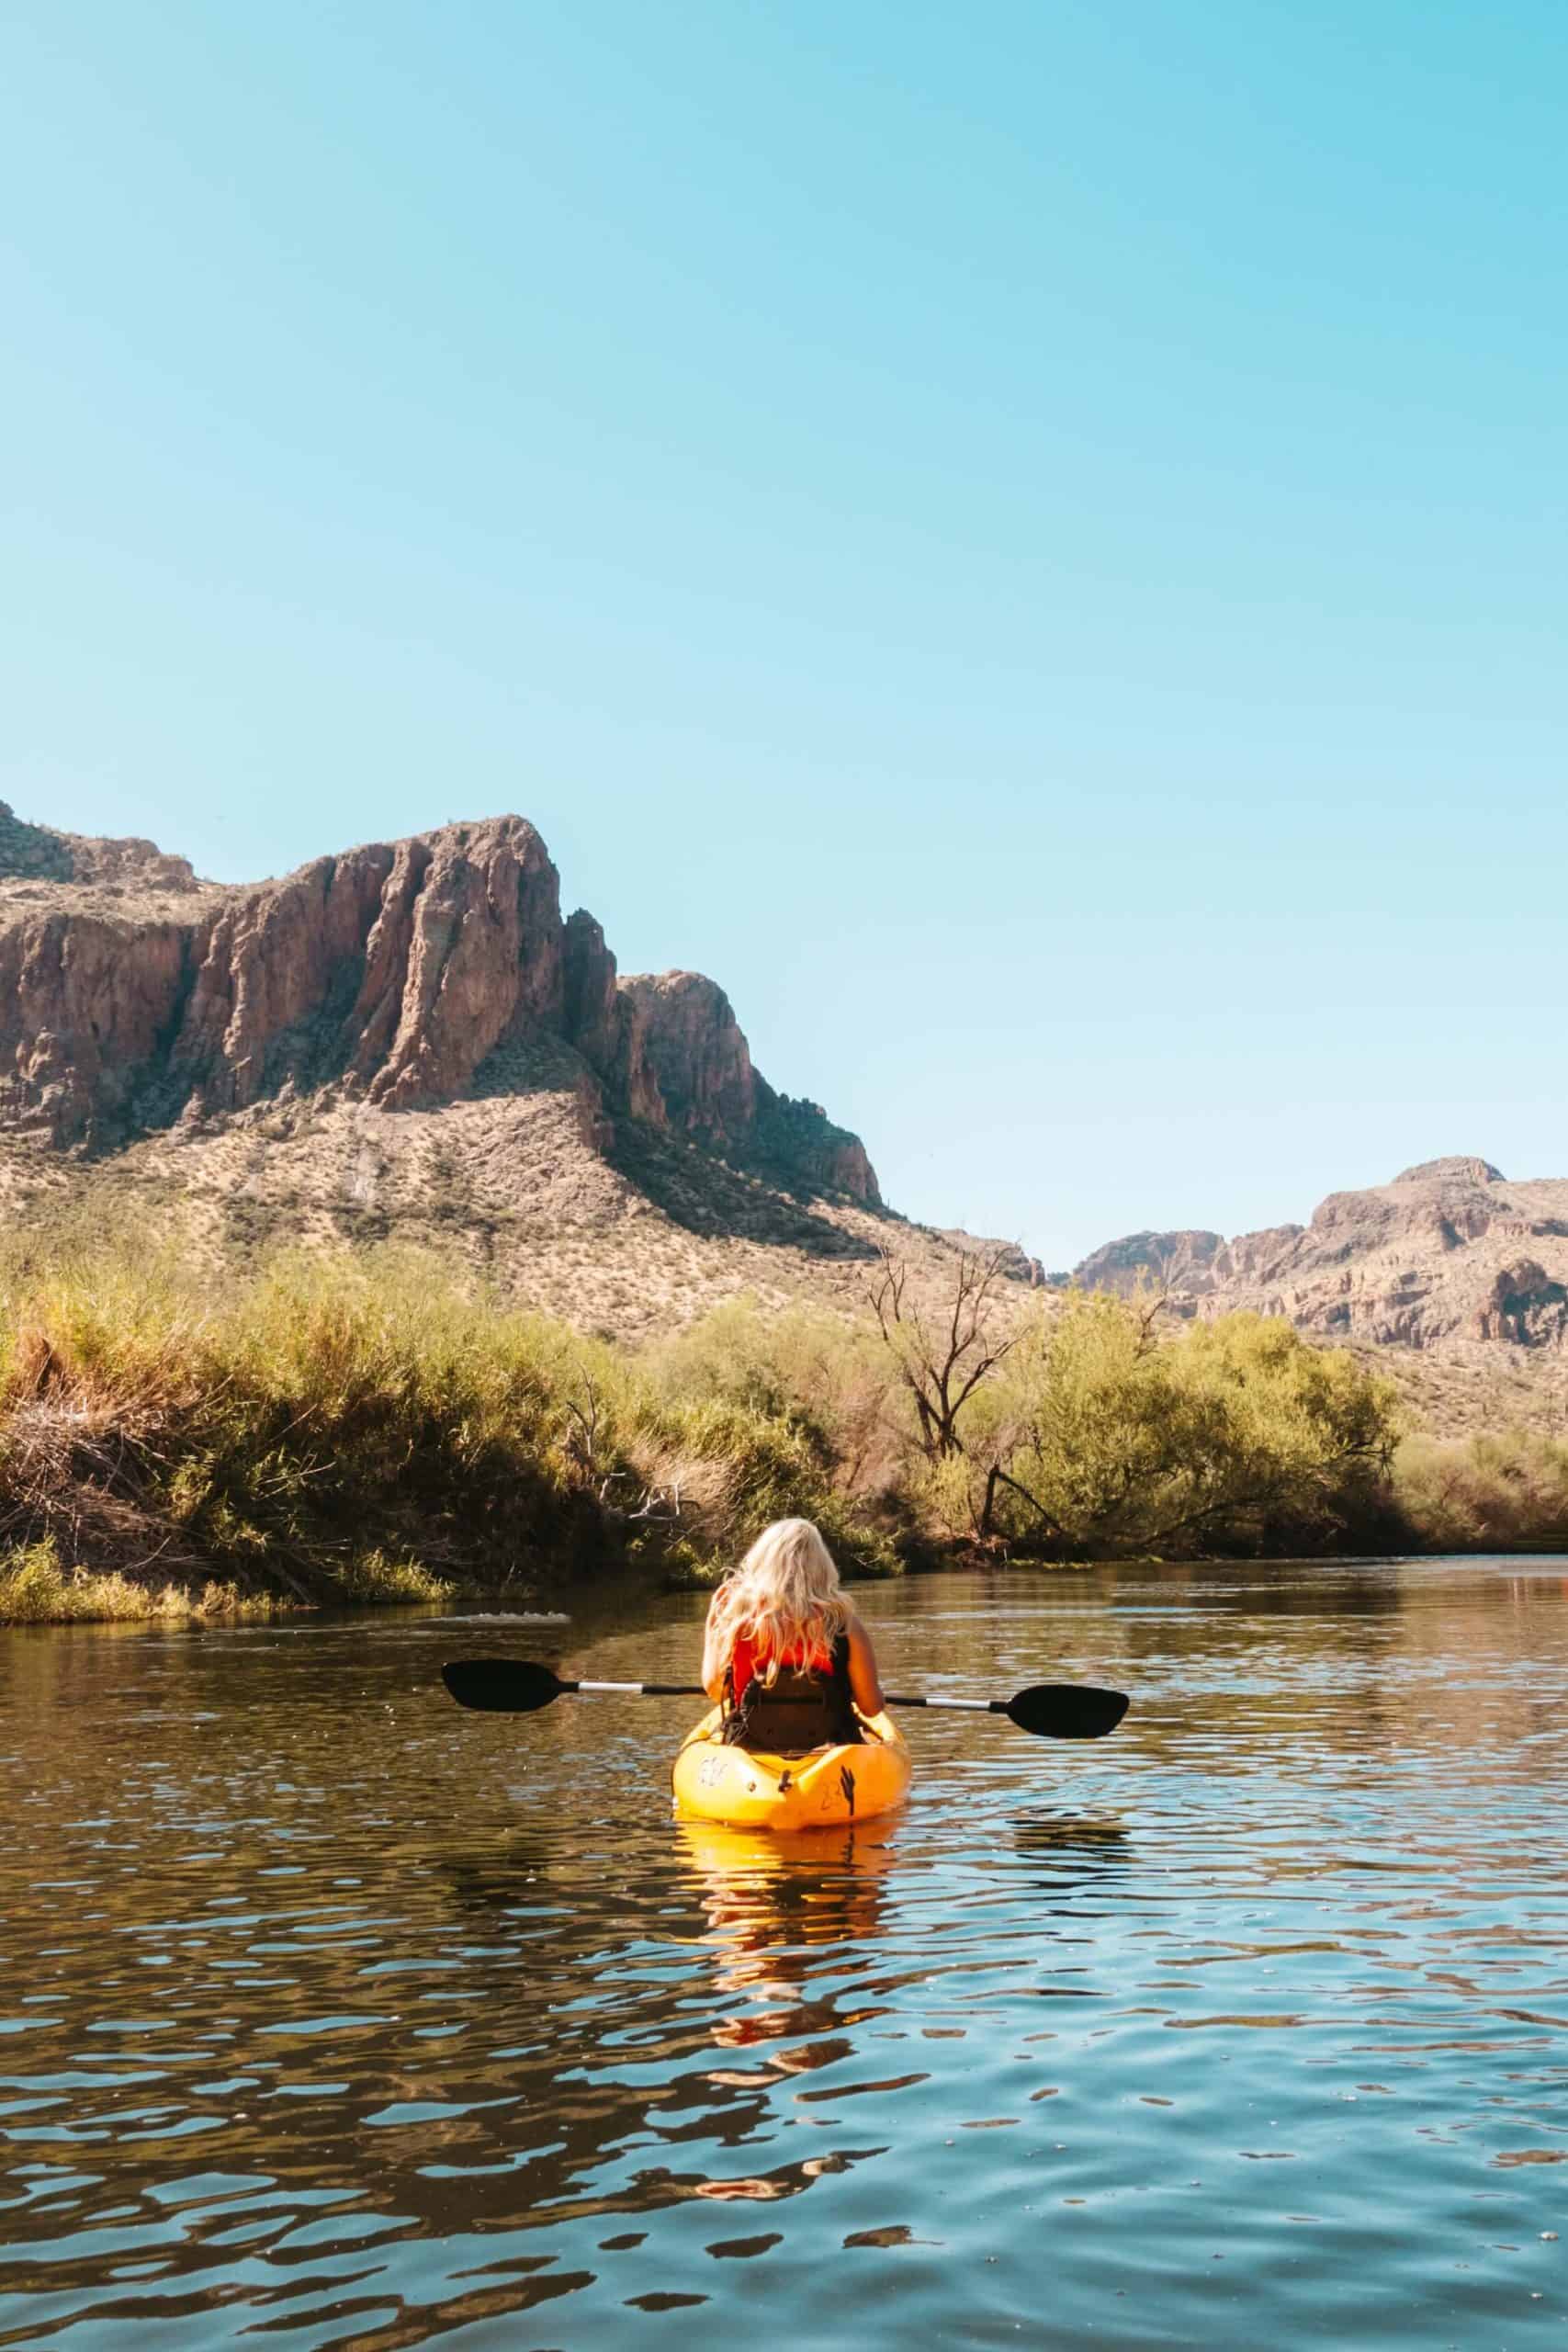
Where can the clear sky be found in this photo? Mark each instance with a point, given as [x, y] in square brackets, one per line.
[1027, 539]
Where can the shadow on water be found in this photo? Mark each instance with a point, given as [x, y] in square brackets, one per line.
[1093, 1845]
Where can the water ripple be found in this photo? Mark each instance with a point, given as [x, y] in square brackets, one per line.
[335, 2015]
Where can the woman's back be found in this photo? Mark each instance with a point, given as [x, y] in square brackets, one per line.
[785, 1653]
[749, 1659]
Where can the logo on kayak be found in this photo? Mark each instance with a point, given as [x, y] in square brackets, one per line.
[847, 1782]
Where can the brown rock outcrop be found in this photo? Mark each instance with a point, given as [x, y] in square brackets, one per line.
[1176, 1262]
[1463, 1169]
[1432, 1260]
[694, 1047]
[800, 1142]
[263, 972]
[607, 1022]
[405, 974]
[1524, 1303]
[484, 963]
[85, 1003]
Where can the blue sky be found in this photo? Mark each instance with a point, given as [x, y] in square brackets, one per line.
[1026, 540]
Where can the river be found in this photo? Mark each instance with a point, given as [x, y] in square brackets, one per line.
[330, 2015]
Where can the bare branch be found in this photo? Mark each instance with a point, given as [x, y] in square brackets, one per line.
[942, 1369]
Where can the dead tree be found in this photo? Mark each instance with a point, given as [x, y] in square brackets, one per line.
[943, 1359]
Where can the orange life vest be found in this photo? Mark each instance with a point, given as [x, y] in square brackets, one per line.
[807, 1703]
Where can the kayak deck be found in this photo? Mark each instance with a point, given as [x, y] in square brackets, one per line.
[755, 1790]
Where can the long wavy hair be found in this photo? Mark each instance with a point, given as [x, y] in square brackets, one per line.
[784, 1595]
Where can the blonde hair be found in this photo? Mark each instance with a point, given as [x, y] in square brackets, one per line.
[784, 1595]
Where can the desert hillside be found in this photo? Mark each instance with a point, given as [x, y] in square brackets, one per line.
[409, 1043]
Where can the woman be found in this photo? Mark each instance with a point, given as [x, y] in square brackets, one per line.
[784, 1653]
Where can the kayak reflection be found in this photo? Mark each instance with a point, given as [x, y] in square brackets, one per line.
[788, 1920]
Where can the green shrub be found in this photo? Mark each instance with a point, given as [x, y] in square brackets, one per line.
[374, 1577]
[1498, 1491]
[1095, 1439]
[359, 1427]
[356, 1427]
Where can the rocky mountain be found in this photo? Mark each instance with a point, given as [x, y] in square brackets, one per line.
[1449, 1256]
[408, 1040]
[133, 997]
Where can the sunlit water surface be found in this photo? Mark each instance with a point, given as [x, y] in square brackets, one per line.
[331, 2015]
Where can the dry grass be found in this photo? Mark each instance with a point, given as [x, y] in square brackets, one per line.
[1468, 1389]
[376, 1578]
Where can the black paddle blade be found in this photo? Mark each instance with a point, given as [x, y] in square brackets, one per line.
[501, 1686]
[1066, 1710]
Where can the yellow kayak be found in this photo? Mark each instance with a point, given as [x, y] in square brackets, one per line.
[825, 1785]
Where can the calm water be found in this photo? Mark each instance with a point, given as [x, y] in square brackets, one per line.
[332, 2015]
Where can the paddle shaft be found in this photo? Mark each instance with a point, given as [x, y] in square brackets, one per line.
[640, 1689]
[520, 1686]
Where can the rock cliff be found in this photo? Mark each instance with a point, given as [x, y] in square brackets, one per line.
[1448, 1253]
[135, 999]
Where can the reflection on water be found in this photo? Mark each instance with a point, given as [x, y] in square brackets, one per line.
[331, 2016]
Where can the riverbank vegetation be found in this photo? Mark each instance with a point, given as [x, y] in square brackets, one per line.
[345, 1430]
[352, 1429]
[1504, 1493]
[34, 1589]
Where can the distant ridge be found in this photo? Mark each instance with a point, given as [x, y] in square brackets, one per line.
[1451, 1253]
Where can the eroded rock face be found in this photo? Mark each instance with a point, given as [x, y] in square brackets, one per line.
[801, 1143]
[1524, 1303]
[265, 971]
[406, 974]
[607, 1023]
[483, 962]
[84, 1006]
[1433, 1258]
[698, 1057]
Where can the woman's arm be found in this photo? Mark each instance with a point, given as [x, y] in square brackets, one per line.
[865, 1686]
[718, 1643]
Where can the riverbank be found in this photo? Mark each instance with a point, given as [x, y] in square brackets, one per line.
[359, 1430]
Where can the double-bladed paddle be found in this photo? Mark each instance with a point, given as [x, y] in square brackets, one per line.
[520, 1686]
